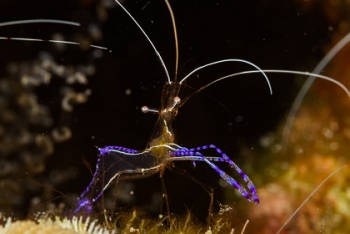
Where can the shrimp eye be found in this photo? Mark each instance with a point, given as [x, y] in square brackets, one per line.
[177, 100]
[146, 109]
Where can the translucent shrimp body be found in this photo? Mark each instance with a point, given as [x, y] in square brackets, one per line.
[115, 162]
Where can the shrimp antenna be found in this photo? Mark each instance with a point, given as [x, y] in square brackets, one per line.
[33, 21]
[229, 60]
[307, 85]
[51, 21]
[175, 37]
[268, 71]
[52, 41]
[308, 198]
[149, 40]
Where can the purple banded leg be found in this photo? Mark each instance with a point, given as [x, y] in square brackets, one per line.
[86, 204]
[113, 161]
[183, 151]
[197, 156]
[226, 159]
[246, 179]
[106, 149]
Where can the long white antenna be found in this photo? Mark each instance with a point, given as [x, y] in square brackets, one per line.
[32, 21]
[175, 37]
[284, 71]
[50, 21]
[149, 40]
[308, 198]
[229, 60]
[52, 41]
[268, 71]
[307, 85]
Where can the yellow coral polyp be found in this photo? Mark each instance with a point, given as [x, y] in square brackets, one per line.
[55, 226]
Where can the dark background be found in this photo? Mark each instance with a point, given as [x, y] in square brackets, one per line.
[271, 34]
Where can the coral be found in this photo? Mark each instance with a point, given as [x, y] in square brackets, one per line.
[130, 222]
[28, 130]
[54, 226]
